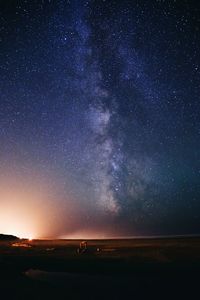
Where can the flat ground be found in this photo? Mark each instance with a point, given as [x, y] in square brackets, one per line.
[118, 269]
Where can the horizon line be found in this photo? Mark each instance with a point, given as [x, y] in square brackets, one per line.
[121, 237]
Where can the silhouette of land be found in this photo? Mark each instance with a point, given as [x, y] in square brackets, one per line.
[118, 269]
[6, 237]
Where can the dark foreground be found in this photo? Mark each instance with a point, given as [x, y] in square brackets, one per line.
[110, 269]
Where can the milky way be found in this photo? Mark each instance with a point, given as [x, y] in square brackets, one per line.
[99, 116]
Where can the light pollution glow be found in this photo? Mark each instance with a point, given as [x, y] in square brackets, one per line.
[27, 209]
[21, 215]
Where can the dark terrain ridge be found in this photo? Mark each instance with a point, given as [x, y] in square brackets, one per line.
[7, 237]
[166, 268]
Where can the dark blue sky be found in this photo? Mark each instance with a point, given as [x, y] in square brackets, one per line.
[100, 100]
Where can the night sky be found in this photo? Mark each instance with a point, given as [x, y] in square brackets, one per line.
[99, 118]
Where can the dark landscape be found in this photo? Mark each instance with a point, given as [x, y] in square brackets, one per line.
[118, 268]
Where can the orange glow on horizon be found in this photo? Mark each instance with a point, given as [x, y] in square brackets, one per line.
[84, 235]
[19, 221]
[29, 208]
[26, 208]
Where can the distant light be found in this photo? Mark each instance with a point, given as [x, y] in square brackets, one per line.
[22, 245]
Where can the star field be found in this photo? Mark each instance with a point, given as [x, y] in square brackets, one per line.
[99, 111]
